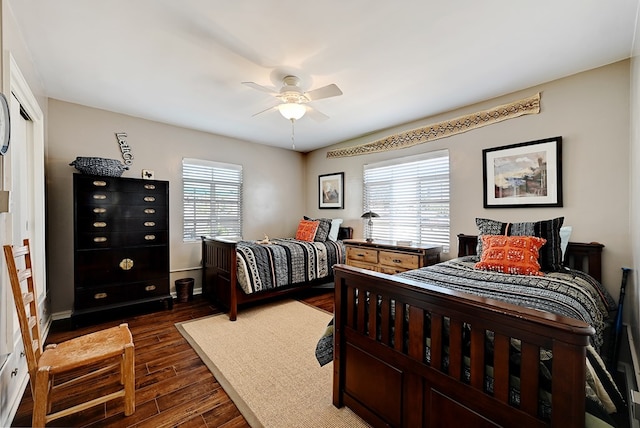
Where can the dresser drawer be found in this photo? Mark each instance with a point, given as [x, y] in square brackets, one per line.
[99, 267]
[105, 239]
[399, 260]
[115, 294]
[106, 198]
[84, 183]
[131, 224]
[362, 265]
[103, 212]
[12, 375]
[362, 254]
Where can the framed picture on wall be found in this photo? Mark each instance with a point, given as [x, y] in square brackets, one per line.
[523, 175]
[331, 190]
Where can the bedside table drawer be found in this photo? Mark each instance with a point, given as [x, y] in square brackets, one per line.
[399, 260]
[362, 265]
[362, 254]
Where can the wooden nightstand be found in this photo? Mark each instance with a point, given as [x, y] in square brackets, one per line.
[390, 258]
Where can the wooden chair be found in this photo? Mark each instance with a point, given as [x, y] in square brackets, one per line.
[75, 360]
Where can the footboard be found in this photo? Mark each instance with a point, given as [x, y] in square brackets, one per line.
[219, 273]
[400, 358]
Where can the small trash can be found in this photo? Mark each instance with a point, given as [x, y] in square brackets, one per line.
[184, 289]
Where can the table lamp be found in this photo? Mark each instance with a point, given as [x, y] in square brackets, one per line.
[369, 215]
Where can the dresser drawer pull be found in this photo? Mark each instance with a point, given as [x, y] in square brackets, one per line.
[100, 196]
[149, 198]
[396, 261]
[14, 372]
[149, 211]
[100, 224]
[149, 237]
[360, 255]
[99, 183]
[149, 223]
[126, 264]
[150, 186]
[149, 288]
[98, 296]
[99, 210]
[99, 239]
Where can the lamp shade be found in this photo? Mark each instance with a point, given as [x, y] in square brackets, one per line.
[292, 111]
[369, 214]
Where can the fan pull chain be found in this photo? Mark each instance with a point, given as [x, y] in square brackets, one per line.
[293, 141]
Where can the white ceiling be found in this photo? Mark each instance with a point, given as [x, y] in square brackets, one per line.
[182, 61]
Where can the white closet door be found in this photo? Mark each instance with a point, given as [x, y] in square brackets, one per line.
[21, 178]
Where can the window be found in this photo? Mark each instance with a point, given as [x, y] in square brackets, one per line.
[212, 204]
[411, 196]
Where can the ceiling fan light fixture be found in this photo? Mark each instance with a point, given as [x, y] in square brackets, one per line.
[292, 111]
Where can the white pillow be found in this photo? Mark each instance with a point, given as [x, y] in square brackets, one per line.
[335, 227]
[565, 233]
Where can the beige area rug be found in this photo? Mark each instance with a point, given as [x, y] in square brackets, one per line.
[266, 362]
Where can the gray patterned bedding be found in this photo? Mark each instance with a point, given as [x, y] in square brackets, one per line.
[285, 262]
[569, 293]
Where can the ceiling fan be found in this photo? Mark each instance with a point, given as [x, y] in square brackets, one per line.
[293, 101]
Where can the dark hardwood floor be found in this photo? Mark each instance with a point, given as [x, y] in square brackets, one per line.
[173, 386]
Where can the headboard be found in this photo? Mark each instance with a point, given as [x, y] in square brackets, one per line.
[345, 233]
[586, 257]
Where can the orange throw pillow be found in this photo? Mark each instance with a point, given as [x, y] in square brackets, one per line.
[307, 230]
[511, 254]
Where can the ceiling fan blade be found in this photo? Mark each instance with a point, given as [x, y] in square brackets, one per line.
[268, 90]
[315, 114]
[325, 92]
[265, 110]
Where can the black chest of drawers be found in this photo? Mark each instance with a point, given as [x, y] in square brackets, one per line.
[121, 243]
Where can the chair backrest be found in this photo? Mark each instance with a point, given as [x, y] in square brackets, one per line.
[19, 266]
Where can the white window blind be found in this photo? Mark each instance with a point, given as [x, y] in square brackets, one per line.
[212, 204]
[411, 196]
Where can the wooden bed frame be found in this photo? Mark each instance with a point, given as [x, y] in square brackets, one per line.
[219, 281]
[390, 386]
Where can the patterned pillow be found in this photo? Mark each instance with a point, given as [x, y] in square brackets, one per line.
[307, 230]
[516, 255]
[550, 253]
[323, 228]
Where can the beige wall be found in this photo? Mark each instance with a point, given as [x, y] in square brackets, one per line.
[273, 182]
[589, 110]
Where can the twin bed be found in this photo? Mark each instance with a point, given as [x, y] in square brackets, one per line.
[414, 350]
[449, 345]
[238, 272]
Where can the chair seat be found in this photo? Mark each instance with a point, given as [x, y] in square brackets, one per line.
[87, 349]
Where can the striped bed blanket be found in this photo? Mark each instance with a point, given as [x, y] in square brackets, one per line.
[570, 293]
[285, 262]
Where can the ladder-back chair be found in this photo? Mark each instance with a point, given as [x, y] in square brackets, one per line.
[91, 355]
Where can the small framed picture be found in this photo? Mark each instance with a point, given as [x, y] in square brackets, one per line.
[147, 174]
[331, 190]
[523, 175]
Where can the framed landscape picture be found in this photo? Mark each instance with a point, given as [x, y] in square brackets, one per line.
[331, 190]
[523, 175]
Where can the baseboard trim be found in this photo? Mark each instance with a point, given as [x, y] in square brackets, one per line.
[62, 315]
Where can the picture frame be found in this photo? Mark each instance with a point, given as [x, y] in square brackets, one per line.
[331, 190]
[523, 175]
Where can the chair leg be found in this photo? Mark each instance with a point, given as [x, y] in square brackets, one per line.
[41, 398]
[129, 380]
